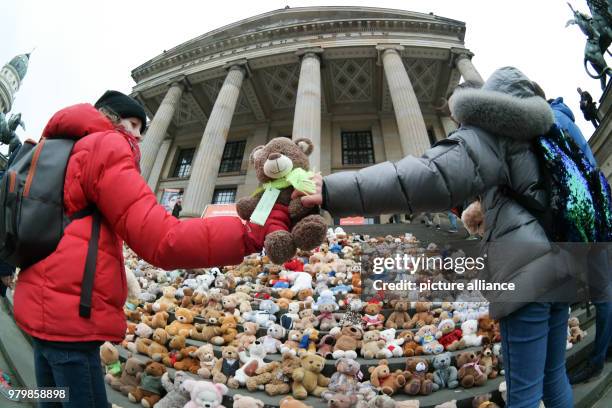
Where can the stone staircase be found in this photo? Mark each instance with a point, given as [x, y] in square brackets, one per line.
[16, 349]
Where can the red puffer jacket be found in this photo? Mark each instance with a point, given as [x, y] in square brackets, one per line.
[103, 169]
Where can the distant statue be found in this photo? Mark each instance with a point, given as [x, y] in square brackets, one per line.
[596, 46]
[588, 107]
[7, 131]
[601, 11]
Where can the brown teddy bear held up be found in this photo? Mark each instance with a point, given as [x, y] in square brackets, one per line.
[282, 164]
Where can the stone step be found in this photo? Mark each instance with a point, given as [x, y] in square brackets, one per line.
[463, 396]
[605, 400]
[595, 393]
[16, 348]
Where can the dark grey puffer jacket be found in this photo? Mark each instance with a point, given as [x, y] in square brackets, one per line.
[488, 155]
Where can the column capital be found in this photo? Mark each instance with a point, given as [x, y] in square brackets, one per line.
[459, 54]
[241, 64]
[316, 52]
[180, 81]
[381, 49]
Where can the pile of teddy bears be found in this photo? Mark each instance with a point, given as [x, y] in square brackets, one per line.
[299, 329]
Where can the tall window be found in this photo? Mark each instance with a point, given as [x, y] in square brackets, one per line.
[232, 157]
[183, 163]
[224, 196]
[357, 147]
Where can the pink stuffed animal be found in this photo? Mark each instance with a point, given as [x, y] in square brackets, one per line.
[204, 394]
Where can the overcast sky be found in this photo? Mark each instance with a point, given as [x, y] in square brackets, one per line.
[84, 47]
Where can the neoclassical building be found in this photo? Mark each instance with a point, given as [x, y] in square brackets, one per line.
[11, 76]
[367, 85]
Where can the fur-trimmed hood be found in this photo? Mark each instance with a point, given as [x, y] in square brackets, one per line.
[506, 105]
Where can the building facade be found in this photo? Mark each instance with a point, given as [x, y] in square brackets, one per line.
[601, 142]
[367, 85]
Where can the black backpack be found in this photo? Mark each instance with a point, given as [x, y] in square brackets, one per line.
[32, 217]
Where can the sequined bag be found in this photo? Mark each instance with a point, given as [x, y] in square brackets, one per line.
[580, 200]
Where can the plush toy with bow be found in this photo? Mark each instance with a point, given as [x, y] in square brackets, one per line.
[282, 167]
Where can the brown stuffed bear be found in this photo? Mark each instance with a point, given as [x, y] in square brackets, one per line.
[418, 378]
[183, 323]
[372, 345]
[473, 219]
[158, 321]
[227, 332]
[226, 367]
[348, 341]
[277, 161]
[205, 332]
[399, 319]
[290, 402]
[307, 379]
[154, 347]
[247, 336]
[372, 318]
[187, 360]
[410, 347]
[382, 377]
[150, 388]
[109, 356]
[206, 355]
[488, 359]
[471, 372]
[130, 377]
[175, 345]
[486, 329]
[423, 316]
[274, 377]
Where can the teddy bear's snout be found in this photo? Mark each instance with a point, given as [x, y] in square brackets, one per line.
[277, 165]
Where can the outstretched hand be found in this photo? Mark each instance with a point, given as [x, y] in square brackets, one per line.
[314, 199]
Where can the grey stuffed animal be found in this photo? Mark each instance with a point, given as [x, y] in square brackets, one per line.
[176, 395]
[445, 375]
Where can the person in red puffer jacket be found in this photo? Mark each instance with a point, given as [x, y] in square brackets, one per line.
[103, 170]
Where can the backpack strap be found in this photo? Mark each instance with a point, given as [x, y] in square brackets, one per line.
[90, 261]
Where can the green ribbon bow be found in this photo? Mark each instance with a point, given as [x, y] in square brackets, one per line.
[114, 368]
[299, 178]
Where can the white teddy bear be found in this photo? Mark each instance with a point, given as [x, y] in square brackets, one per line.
[251, 361]
[469, 329]
[393, 346]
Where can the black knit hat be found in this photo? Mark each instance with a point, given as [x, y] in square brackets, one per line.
[123, 105]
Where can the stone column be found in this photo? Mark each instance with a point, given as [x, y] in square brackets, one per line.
[259, 137]
[159, 164]
[158, 128]
[410, 122]
[205, 167]
[463, 62]
[307, 118]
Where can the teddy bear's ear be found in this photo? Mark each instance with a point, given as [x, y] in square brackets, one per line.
[305, 145]
[254, 153]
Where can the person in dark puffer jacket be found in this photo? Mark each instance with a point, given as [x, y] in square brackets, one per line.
[490, 155]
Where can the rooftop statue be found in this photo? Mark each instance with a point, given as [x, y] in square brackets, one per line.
[599, 36]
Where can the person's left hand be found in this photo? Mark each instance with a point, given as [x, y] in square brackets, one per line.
[314, 199]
